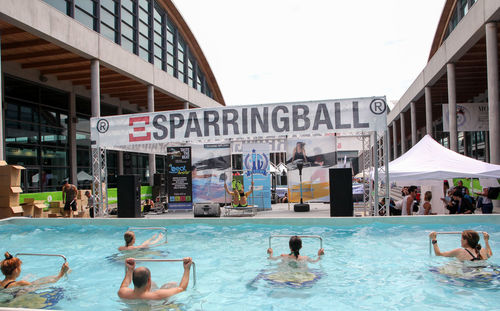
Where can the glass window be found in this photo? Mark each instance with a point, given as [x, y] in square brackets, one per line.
[82, 139]
[127, 17]
[108, 32]
[108, 18]
[22, 155]
[53, 177]
[129, 4]
[54, 157]
[144, 54]
[144, 4]
[53, 98]
[144, 29]
[86, 5]
[83, 157]
[83, 106]
[84, 18]
[61, 5]
[144, 16]
[21, 132]
[83, 124]
[21, 89]
[144, 42]
[158, 62]
[53, 136]
[127, 45]
[108, 4]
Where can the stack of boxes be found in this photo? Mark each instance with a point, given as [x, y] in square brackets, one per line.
[10, 188]
[33, 208]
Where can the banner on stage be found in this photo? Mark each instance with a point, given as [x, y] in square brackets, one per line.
[144, 130]
[178, 178]
[471, 117]
[317, 155]
[256, 169]
[211, 165]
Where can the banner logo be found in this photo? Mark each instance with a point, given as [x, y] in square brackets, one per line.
[256, 163]
[378, 106]
[102, 126]
[134, 120]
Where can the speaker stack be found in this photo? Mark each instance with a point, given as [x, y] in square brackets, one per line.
[341, 192]
[129, 196]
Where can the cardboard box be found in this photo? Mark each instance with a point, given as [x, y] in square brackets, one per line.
[50, 215]
[28, 209]
[54, 210]
[11, 211]
[38, 210]
[58, 204]
[10, 175]
[9, 196]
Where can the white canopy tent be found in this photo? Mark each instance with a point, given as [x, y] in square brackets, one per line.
[429, 160]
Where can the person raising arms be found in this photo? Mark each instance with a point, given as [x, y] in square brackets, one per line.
[141, 277]
[238, 195]
[11, 268]
[471, 249]
[295, 245]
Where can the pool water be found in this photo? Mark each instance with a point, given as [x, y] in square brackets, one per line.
[374, 266]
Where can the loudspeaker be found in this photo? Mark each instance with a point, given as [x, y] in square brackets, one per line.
[206, 210]
[341, 192]
[129, 196]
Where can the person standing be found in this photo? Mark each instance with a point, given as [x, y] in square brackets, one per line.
[426, 208]
[408, 201]
[69, 198]
[484, 202]
[90, 203]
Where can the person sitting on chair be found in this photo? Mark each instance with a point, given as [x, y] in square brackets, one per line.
[129, 238]
[239, 196]
[141, 277]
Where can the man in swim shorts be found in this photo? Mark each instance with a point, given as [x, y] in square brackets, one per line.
[141, 277]
[69, 192]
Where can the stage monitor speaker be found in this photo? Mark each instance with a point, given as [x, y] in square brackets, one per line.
[341, 192]
[129, 196]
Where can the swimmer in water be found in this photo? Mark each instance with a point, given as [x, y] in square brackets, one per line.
[471, 249]
[11, 268]
[141, 277]
[295, 244]
[129, 238]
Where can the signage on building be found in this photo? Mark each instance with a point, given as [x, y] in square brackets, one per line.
[256, 121]
[471, 117]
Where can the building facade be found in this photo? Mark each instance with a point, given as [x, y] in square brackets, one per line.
[462, 69]
[65, 61]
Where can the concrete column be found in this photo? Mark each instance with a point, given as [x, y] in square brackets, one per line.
[95, 88]
[387, 146]
[413, 120]
[120, 153]
[186, 105]
[452, 107]
[152, 159]
[428, 110]
[394, 140]
[403, 135]
[493, 103]
[72, 137]
[2, 138]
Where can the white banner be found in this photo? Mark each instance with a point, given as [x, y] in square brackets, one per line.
[471, 117]
[123, 132]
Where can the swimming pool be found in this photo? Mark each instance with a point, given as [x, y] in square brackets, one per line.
[370, 263]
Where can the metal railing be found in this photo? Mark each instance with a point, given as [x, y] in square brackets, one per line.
[169, 260]
[35, 254]
[300, 236]
[445, 232]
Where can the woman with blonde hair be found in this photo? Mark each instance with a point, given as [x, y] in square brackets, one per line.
[426, 207]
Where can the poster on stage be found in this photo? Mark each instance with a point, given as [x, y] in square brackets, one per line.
[471, 117]
[178, 178]
[256, 170]
[210, 164]
[317, 154]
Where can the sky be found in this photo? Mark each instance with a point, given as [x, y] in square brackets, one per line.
[270, 51]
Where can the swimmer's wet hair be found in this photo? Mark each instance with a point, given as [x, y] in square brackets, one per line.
[472, 238]
[128, 237]
[141, 276]
[295, 244]
[10, 264]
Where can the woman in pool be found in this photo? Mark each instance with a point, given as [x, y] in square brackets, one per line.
[11, 268]
[471, 249]
[295, 244]
[129, 238]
